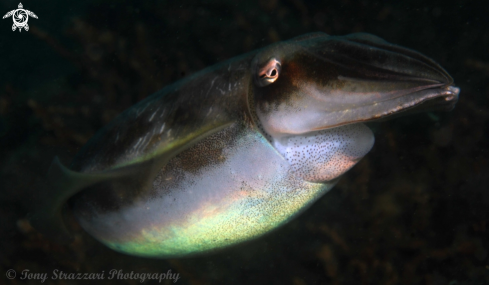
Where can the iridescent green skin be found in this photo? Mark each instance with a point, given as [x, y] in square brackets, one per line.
[240, 190]
[218, 178]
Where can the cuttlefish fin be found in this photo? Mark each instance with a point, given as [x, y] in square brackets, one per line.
[63, 183]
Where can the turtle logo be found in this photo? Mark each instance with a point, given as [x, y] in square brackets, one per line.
[20, 17]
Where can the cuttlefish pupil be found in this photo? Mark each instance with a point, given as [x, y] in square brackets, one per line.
[240, 148]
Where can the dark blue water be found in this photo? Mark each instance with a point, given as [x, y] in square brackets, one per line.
[413, 211]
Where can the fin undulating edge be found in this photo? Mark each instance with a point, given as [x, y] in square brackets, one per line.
[61, 184]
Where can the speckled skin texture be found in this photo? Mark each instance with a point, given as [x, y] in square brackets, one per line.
[325, 155]
[240, 189]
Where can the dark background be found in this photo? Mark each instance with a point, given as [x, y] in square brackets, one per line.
[413, 211]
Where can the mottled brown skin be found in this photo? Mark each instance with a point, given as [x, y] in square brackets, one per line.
[187, 103]
[110, 197]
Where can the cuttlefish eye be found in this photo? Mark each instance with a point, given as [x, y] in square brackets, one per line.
[269, 73]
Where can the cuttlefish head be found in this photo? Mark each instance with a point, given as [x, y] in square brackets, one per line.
[318, 82]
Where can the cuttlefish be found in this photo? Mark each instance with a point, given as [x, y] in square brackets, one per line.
[240, 148]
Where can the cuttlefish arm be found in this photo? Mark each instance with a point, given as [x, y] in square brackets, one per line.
[324, 81]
